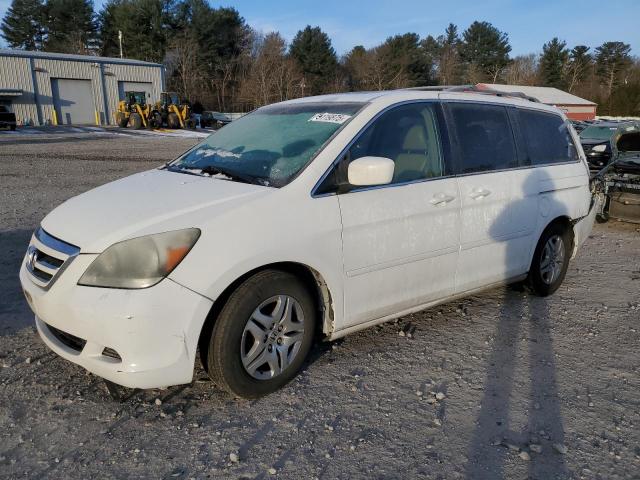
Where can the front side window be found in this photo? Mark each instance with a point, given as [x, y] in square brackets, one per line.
[269, 146]
[547, 138]
[409, 135]
[485, 139]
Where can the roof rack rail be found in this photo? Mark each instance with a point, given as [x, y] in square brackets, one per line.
[474, 89]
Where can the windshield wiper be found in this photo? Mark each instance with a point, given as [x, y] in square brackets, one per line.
[218, 170]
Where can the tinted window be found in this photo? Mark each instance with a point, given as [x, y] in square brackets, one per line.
[484, 136]
[547, 138]
[409, 135]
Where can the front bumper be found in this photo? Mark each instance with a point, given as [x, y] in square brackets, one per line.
[154, 331]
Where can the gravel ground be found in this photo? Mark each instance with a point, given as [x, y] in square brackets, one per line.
[499, 385]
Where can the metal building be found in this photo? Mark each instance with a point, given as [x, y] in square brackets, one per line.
[574, 107]
[60, 89]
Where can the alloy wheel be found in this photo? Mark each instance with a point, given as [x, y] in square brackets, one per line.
[552, 259]
[272, 337]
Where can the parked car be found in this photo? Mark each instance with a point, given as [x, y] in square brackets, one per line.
[311, 218]
[7, 118]
[598, 141]
[620, 182]
[214, 120]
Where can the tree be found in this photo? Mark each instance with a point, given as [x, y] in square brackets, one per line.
[553, 63]
[181, 63]
[222, 37]
[22, 26]
[70, 26]
[579, 63]
[612, 58]
[273, 75]
[312, 49]
[523, 70]
[449, 62]
[485, 51]
[145, 26]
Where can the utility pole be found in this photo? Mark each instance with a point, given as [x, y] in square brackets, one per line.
[120, 40]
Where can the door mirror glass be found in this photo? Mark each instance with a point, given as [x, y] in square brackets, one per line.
[368, 171]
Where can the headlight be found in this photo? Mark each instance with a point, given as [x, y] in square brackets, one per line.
[140, 262]
[599, 148]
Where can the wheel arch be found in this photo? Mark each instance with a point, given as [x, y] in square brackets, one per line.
[311, 278]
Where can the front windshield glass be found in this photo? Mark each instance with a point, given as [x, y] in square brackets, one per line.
[599, 133]
[269, 146]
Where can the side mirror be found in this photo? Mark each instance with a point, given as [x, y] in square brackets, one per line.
[368, 171]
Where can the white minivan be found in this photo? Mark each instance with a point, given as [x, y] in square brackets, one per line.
[309, 218]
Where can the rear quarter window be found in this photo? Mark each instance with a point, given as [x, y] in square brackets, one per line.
[546, 137]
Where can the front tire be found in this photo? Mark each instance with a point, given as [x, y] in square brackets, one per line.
[550, 260]
[263, 335]
[135, 120]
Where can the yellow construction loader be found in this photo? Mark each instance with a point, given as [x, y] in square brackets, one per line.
[174, 112]
[134, 111]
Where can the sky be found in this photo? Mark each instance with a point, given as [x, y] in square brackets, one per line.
[529, 23]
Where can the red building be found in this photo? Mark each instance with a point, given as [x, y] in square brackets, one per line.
[575, 108]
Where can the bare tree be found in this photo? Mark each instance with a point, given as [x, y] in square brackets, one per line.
[523, 70]
[182, 61]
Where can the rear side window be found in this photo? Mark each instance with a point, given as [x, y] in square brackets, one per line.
[484, 136]
[547, 138]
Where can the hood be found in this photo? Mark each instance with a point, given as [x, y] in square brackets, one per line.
[628, 163]
[148, 202]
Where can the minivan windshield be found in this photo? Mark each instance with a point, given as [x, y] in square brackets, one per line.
[269, 146]
[598, 132]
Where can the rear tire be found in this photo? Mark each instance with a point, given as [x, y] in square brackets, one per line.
[263, 335]
[136, 121]
[550, 260]
[173, 121]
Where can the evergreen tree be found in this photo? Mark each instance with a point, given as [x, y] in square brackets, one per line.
[579, 62]
[22, 25]
[553, 63]
[449, 64]
[611, 59]
[70, 26]
[312, 49]
[145, 25]
[485, 51]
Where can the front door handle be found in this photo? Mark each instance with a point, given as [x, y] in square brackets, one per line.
[440, 199]
[477, 193]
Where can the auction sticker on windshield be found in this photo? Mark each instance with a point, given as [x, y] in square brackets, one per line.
[330, 117]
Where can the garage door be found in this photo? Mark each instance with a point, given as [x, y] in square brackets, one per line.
[73, 101]
[136, 87]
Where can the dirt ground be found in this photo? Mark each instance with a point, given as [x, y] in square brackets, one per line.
[502, 385]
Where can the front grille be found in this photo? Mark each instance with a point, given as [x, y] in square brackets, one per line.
[47, 256]
[71, 341]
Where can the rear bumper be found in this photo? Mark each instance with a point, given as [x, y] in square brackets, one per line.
[154, 331]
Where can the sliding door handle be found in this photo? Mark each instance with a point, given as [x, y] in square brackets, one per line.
[477, 193]
[440, 199]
